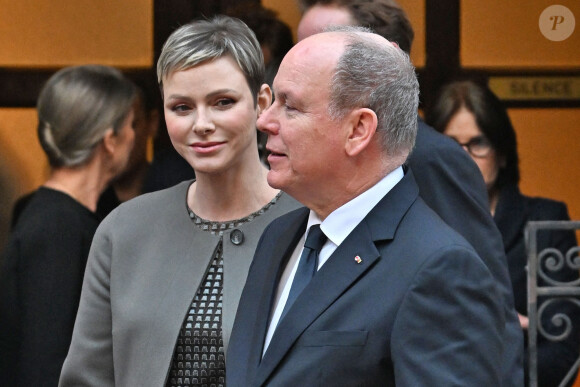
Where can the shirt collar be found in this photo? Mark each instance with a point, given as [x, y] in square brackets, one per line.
[340, 223]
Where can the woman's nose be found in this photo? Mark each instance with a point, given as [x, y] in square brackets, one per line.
[203, 124]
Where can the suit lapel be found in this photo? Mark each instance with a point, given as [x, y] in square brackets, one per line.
[275, 257]
[340, 271]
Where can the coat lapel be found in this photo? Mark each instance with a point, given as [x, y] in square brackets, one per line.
[275, 257]
[335, 277]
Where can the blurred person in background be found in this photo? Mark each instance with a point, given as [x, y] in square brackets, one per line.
[85, 117]
[474, 117]
[275, 38]
[131, 180]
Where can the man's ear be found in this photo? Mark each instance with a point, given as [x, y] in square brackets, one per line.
[109, 142]
[264, 98]
[363, 125]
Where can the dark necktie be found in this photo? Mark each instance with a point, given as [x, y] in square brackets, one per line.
[307, 265]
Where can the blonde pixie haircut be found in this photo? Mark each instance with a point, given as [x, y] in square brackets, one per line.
[204, 40]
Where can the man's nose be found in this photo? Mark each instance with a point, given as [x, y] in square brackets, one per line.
[266, 123]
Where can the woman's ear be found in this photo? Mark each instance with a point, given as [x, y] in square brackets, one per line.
[264, 98]
[109, 141]
[362, 127]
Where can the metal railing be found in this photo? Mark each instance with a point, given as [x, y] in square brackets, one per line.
[540, 263]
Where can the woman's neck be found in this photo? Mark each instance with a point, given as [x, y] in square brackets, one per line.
[493, 197]
[129, 185]
[230, 195]
[84, 184]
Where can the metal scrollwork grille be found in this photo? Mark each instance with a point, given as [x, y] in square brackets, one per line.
[542, 265]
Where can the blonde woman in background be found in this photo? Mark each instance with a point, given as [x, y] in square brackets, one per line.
[85, 120]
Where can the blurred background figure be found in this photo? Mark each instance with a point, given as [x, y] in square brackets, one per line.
[85, 118]
[474, 117]
[177, 259]
[274, 35]
[130, 182]
[275, 38]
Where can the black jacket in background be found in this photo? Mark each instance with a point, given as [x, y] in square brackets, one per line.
[451, 184]
[513, 211]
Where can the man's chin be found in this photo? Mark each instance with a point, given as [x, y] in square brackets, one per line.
[275, 180]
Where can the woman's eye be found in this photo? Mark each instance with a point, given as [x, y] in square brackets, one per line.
[225, 102]
[180, 108]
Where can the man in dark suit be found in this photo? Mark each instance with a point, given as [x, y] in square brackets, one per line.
[396, 297]
[448, 180]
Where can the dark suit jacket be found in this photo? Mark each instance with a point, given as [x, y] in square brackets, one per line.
[512, 213]
[421, 309]
[451, 184]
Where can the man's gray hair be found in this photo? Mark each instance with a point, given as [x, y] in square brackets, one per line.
[380, 78]
[205, 40]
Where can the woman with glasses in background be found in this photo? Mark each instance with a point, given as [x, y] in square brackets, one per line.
[474, 117]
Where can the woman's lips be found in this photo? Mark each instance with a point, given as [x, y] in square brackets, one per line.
[207, 147]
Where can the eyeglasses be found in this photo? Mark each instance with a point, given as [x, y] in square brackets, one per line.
[477, 147]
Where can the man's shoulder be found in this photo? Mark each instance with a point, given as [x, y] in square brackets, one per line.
[425, 229]
[430, 144]
[287, 219]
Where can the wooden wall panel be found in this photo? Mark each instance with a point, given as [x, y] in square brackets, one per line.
[21, 149]
[52, 34]
[500, 34]
[548, 149]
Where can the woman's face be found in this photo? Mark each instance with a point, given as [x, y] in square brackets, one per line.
[463, 128]
[125, 139]
[211, 117]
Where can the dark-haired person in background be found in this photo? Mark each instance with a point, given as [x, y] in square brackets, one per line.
[474, 117]
[130, 182]
[448, 179]
[275, 38]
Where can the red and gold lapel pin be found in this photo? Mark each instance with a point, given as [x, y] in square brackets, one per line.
[358, 259]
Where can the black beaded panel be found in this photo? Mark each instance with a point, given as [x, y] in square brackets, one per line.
[198, 359]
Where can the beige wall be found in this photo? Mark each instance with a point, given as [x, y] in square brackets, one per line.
[44, 33]
[499, 34]
[548, 149]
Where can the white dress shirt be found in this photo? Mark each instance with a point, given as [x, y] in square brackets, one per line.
[337, 226]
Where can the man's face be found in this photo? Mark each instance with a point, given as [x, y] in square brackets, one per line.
[318, 17]
[305, 143]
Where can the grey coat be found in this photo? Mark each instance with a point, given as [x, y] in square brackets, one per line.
[146, 263]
